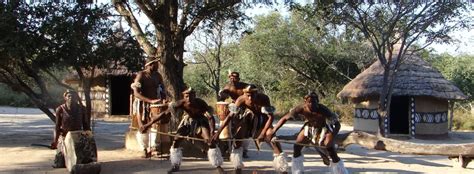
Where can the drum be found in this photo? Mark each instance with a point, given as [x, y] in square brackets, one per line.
[163, 141]
[156, 109]
[80, 148]
[222, 110]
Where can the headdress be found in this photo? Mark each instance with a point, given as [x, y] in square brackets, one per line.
[233, 73]
[250, 89]
[189, 91]
[72, 92]
[311, 94]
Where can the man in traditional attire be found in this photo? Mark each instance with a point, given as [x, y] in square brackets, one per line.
[234, 89]
[257, 108]
[147, 89]
[198, 122]
[70, 116]
[320, 128]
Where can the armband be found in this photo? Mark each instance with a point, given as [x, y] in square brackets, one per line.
[136, 85]
[234, 109]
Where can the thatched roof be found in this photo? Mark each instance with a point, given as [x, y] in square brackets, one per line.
[118, 71]
[415, 77]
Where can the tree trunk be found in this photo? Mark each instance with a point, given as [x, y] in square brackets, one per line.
[382, 108]
[386, 144]
[171, 69]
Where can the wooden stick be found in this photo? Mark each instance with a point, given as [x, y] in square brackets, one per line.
[244, 139]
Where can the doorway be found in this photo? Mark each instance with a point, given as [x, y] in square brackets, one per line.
[399, 117]
[120, 95]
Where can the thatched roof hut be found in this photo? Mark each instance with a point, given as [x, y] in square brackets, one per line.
[110, 93]
[419, 104]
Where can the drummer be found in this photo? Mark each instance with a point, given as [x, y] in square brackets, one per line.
[147, 89]
[234, 89]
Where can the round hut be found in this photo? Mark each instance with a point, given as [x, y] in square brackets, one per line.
[420, 100]
[110, 90]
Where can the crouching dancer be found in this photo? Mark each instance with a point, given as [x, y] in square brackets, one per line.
[320, 128]
[198, 122]
[255, 107]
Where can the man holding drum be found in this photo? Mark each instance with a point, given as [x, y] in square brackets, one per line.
[257, 108]
[147, 90]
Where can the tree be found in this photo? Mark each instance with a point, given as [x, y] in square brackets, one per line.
[318, 57]
[37, 41]
[392, 28]
[88, 44]
[460, 71]
[216, 52]
[172, 23]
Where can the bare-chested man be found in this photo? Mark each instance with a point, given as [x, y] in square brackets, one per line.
[147, 89]
[320, 128]
[256, 106]
[233, 89]
[70, 116]
[198, 122]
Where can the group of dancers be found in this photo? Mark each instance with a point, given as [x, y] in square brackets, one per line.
[250, 116]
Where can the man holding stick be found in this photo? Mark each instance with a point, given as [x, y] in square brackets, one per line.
[256, 107]
[320, 128]
[198, 122]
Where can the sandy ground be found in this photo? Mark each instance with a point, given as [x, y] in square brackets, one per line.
[20, 127]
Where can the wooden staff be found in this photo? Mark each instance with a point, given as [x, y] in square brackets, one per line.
[244, 139]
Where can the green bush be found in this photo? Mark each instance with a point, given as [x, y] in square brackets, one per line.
[463, 120]
[8, 97]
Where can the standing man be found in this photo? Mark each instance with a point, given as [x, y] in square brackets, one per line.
[147, 89]
[234, 89]
[320, 128]
[257, 108]
[198, 122]
[70, 116]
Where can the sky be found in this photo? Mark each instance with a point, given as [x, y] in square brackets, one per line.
[464, 43]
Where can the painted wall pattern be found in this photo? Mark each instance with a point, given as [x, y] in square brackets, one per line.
[431, 117]
[365, 113]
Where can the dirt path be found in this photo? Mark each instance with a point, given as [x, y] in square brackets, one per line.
[19, 128]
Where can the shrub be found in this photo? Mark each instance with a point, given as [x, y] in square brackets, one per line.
[463, 120]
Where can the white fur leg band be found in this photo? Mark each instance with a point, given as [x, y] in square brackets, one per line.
[215, 157]
[176, 154]
[297, 166]
[338, 168]
[236, 158]
[279, 162]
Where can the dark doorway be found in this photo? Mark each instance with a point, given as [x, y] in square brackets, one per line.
[120, 95]
[399, 107]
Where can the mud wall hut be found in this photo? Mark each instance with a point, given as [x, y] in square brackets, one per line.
[110, 91]
[420, 100]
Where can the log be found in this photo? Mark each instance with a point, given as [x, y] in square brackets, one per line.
[381, 143]
[80, 148]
